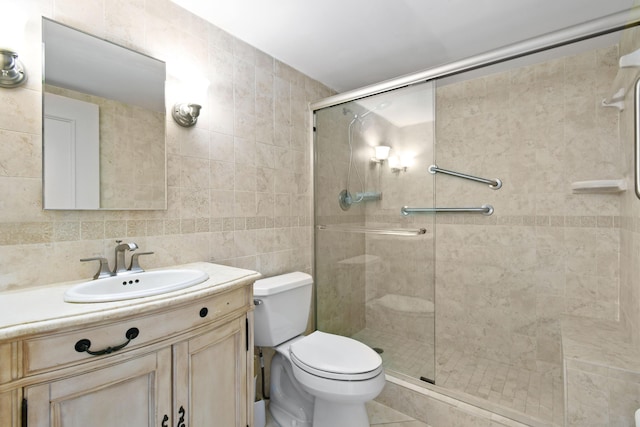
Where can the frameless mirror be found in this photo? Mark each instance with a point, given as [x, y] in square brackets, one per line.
[103, 124]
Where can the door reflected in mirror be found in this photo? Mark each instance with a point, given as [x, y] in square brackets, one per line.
[103, 124]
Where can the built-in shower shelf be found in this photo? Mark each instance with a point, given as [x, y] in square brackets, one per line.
[623, 80]
[360, 259]
[617, 100]
[630, 60]
[600, 186]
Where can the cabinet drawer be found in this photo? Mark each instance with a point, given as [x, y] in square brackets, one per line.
[59, 350]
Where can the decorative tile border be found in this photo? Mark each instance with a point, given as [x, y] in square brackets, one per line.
[21, 233]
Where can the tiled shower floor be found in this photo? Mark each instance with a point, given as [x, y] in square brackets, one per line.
[410, 357]
[534, 394]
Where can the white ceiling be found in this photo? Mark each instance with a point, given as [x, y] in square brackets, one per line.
[351, 44]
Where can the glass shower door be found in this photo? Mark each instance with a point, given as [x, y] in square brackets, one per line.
[374, 266]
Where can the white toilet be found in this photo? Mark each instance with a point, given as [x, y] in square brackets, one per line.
[318, 380]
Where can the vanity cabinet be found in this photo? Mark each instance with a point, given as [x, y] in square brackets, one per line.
[136, 392]
[188, 366]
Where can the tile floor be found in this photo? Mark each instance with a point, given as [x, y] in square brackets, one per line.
[537, 395]
[380, 416]
[409, 357]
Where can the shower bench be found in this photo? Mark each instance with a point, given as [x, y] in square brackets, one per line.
[601, 369]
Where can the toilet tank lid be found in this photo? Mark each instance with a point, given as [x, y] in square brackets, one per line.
[281, 283]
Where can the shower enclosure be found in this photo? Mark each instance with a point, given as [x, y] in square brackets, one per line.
[457, 255]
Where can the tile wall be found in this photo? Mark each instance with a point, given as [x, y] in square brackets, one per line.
[504, 281]
[239, 182]
[630, 210]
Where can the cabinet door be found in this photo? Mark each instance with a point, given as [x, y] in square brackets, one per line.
[10, 408]
[211, 378]
[136, 392]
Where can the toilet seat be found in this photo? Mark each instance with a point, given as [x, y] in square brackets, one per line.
[335, 357]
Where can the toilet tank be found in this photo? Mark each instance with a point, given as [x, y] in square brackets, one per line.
[282, 308]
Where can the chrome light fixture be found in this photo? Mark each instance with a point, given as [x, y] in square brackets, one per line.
[12, 72]
[186, 115]
[400, 164]
[381, 154]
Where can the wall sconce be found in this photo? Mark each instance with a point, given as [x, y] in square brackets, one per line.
[186, 115]
[12, 72]
[12, 25]
[381, 154]
[400, 164]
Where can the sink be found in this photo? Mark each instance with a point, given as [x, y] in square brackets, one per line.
[135, 285]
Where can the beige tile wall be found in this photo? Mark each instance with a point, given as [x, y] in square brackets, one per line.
[239, 181]
[630, 237]
[602, 367]
[340, 266]
[504, 281]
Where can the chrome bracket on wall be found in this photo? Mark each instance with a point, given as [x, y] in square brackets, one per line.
[494, 184]
[346, 200]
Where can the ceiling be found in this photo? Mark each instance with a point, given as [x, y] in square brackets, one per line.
[351, 44]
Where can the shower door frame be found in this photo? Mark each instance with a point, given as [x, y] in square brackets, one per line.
[608, 24]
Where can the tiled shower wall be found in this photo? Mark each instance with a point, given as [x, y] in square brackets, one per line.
[239, 183]
[340, 262]
[630, 237]
[503, 281]
[352, 269]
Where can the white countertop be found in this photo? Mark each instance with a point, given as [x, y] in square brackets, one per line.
[42, 309]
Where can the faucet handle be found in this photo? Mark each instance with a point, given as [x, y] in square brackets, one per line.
[134, 267]
[104, 270]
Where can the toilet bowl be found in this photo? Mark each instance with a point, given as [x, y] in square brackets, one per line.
[318, 380]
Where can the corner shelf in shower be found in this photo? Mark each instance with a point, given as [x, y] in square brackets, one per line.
[601, 186]
[623, 80]
[360, 259]
[630, 59]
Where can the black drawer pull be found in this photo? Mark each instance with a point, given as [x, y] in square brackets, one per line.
[182, 413]
[84, 344]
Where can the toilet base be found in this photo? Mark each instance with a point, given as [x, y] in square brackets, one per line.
[290, 405]
[334, 414]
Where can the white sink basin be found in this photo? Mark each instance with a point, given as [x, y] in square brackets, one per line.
[136, 285]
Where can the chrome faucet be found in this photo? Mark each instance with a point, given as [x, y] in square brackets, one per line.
[120, 267]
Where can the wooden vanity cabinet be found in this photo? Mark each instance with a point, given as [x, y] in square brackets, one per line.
[201, 376]
[135, 392]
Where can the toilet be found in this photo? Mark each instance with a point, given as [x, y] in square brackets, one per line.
[317, 380]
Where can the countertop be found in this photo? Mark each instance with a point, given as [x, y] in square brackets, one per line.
[42, 309]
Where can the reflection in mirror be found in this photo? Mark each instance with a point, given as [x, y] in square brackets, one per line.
[104, 124]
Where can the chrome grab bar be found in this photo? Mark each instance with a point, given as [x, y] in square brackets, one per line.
[636, 132]
[484, 210]
[369, 230]
[494, 184]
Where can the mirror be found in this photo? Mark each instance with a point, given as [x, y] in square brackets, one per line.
[103, 124]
